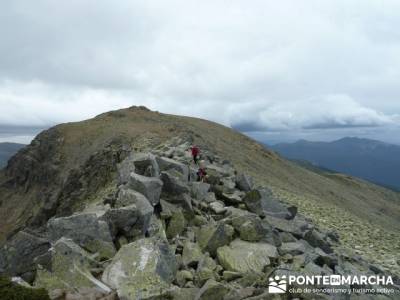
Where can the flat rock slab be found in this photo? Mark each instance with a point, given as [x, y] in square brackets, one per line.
[86, 230]
[245, 257]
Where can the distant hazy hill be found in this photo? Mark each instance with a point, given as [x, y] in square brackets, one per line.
[6, 151]
[368, 159]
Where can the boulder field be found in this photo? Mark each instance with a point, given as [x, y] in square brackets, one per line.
[165, 235]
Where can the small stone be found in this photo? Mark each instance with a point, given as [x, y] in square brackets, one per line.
[217, 207]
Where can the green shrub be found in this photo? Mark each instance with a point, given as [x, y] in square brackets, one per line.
[12, 291]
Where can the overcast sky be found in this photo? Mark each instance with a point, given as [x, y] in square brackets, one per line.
[277, 70]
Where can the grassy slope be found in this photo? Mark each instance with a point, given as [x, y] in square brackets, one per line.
[331, 200]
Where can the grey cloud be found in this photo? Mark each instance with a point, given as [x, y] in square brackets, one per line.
[264, 65]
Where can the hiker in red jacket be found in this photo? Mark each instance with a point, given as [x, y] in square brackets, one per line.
[195, 153]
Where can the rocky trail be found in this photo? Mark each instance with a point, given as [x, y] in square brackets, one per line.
[161, 234]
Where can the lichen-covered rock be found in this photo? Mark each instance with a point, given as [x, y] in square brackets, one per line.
[86, 230]
[231, 198]
[228, 184]
[244, 257]
[167, 164]
[17, 255]
[173, 183]
[263, 202]
[199, 190]
[127, 197]
[148, 186]
[156, 228]
[125, 168]
[144, 210]
[183, 276]
[250, 227]
[176, 223]
[244, 182]
[191, 254]
[144, 268]
[317, 239]
[212, 290]
[202, 275]
[296, 226]
[122, 221]
[10, 290]
[293, 248]
[145, 164]
[69, 269]
[214, 235]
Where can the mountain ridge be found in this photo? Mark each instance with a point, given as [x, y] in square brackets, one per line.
[74, 164]
[371, 160]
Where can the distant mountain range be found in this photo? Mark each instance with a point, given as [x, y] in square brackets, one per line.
[7, 150]
[372, 160]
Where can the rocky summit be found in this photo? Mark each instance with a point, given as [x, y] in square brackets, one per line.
[153, 231]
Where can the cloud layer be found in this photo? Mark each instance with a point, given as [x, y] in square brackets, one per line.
[257, 66]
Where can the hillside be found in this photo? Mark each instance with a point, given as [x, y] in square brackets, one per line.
[371, 160]
[6, 151]
[73, 164]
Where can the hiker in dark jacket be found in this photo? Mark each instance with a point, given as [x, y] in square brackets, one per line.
[201, 175]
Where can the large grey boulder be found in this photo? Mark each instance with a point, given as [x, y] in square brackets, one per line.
[127, 197]
[17, 255]
[245, 257]
[292, 248]
[297, 226]
[214, 235]
[125, 168]
[244, 182]
[69, 269]
[251, 228]
[141, 163]
[263, 202]
[167, 164]
[144, 210]
[86, 230]
[173, 183]
[149, 187]
[317, 239]
[122, 221]
[141, 269]
[323, 258]
[146, 164]
[199, 190]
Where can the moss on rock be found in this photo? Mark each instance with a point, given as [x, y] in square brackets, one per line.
[12, 291]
